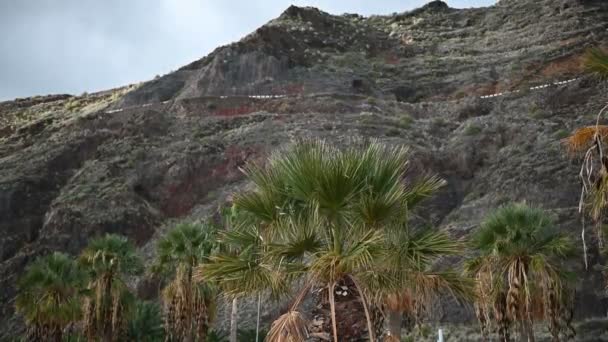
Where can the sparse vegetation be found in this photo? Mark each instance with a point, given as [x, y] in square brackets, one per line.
[405, 121]
[472, 129]
[562, 134]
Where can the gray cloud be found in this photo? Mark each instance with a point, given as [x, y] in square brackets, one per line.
[72, 46]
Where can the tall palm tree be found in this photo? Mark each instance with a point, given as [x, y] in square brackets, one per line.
[49, 296]
[189, 306]
[589, 142]
[109, 259]
[323, 212]
[146, 323]
[518, 271]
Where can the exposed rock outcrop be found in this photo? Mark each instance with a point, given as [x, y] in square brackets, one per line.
[133, 160]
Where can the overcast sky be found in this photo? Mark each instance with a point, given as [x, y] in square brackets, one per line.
[72, 46]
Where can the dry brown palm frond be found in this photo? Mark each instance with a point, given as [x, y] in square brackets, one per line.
[391, 338]
[583, 138]
[186, 312]
[290, 327]
[401, 302]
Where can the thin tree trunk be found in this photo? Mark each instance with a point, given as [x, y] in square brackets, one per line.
[368, 318]
[529, 330]
[233, 320]
[523, 333]
[395, 321]
[332, 307]
[257, 323]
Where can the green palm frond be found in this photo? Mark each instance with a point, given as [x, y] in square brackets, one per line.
[419, 250]
[596, 61]
[296, 237]
[240, 275]
[146, 324]
[111, 253]
[187, 243]
[360, 252]
[422, 189]
[517, 229]
[49, 291]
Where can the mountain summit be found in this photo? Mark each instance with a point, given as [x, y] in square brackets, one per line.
[483, 97]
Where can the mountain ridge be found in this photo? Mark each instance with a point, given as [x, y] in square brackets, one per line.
[135, 159]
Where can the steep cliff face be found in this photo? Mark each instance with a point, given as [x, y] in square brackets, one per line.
[133, 160]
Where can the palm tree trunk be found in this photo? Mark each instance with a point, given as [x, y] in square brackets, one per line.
[108, 334]
[370, 325]
[233, 320]
[395, 321]
[332, 307]
[257, 323]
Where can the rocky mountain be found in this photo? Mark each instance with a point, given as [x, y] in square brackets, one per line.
[136, 159]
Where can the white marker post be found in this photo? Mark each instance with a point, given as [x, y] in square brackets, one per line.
[440, 333]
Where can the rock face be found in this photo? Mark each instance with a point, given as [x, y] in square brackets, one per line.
[135, 159]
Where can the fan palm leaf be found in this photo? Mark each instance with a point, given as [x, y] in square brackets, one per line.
[596, 61]
[146, 323]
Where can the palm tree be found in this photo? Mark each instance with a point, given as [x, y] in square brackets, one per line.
[109, 259]
[589, 142]
[324, 213]
[146, 323]
[49, 296]
[518, 271]
[189, 307]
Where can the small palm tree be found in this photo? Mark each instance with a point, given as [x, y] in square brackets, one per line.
[189, 307]
[49, 296]
[146, 323]
[108, 260]
[518, 270]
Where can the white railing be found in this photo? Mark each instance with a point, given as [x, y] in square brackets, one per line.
[542, 86]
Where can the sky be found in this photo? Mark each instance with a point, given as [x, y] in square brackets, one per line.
[73, 46]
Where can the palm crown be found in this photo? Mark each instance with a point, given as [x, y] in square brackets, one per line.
[49, 294]
[112, 254]
[186, 244]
